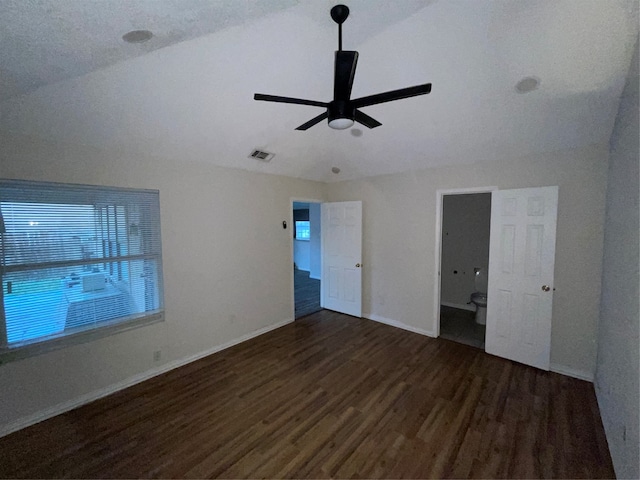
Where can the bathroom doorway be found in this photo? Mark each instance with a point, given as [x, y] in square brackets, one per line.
[307, 257]
[465, 220]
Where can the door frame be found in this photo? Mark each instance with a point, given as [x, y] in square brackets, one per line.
[440, 193]
[292, 225]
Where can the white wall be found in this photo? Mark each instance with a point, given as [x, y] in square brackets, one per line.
[399, 213]
[223, 280]
[315, 253]
[301, 254]
[465, 245]
[617, 369]
[218, 288]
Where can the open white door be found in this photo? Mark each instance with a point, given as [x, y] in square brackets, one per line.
[342, 257]
[521, 261]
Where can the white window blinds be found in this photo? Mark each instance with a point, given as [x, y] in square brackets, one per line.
[76, 258]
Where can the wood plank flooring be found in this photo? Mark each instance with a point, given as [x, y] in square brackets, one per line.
[328, 396]
[306, 294]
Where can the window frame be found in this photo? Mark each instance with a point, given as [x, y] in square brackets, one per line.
[295, 227]
[91, 331]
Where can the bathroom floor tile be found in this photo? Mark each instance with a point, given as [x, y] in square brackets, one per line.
[460, 326]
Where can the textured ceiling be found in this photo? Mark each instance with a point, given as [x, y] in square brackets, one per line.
[45, 41]
[187, 93]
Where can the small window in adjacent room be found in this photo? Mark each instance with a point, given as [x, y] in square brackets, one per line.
[76, 262]
[302, 230]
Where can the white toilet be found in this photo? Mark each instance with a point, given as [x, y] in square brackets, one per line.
[479, 297]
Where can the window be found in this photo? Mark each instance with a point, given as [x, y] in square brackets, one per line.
[302, 230]
[76, 259]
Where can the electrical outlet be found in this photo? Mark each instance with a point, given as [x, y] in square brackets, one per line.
[156, 355]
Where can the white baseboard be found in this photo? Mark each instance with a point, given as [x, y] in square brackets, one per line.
[397, 324]
[571, 372]
[103, 392]
[554, 367]
[461, 306]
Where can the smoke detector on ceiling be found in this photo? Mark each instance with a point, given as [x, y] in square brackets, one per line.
[261, 155]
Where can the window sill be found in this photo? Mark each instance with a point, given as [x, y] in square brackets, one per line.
[26, 350]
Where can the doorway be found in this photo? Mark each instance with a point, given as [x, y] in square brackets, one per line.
[307, 257]
[465, 221]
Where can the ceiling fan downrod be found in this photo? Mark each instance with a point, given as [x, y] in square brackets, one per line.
[339, 13]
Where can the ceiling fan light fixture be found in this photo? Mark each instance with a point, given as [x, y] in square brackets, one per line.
[340, 123]
[341, 114]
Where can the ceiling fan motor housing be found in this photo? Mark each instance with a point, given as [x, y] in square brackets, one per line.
[341, 109]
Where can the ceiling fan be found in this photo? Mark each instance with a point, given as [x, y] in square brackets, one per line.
[342, 111]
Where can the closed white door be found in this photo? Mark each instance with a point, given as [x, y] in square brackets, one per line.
[341, 286]
[521, 263]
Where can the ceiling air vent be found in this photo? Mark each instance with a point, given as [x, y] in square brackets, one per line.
[261, 155]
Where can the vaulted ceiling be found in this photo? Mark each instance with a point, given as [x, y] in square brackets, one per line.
[67, 75]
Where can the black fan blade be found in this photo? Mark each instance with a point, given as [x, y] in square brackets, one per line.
[345, 71]
[313, 121]
[366, 120]
[298, 101]
[392, 95]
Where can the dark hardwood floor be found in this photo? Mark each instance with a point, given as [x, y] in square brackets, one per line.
[306, 293]
[328, 396]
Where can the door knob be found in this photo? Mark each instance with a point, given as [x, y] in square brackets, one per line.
[546, 288]
[357, 265]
